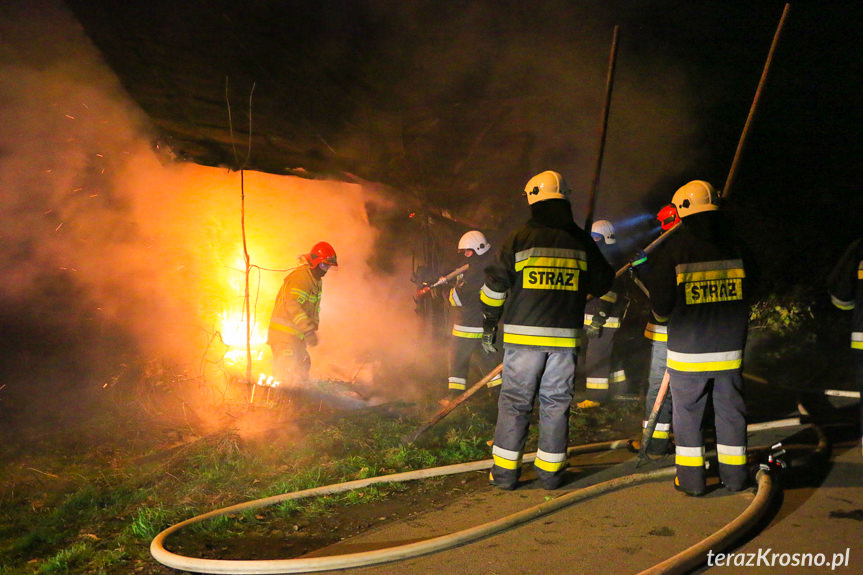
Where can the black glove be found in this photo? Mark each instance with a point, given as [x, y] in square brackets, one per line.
[489, 335]
[594, 328]
[311, 338]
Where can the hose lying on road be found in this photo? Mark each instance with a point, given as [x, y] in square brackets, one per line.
[678, 564]
[307, 565]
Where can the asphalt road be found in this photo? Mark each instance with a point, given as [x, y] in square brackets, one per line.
[818, 511]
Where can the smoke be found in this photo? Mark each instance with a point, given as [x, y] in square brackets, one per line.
[112, 247]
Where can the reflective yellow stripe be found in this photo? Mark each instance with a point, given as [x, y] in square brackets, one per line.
[656, 332]
[689, 456]
[285, 328]
[467, 332]
[706, 271]
[596, 383]
[495, 381]
[550, 462]
[538, 340]
[505, 458]
[300, 317]
[618, 376]
[842, 304]
[731, 454]
[660, 434]
[490, 297]
[610, 322]
[703, 362]
[857, 340]
[453, 298]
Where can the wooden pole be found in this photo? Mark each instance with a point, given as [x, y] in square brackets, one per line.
[455, 403]
[609, 83]
[729, 181]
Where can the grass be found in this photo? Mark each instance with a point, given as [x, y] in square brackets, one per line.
[89, 500]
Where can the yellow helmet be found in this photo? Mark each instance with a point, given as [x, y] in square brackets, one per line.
[694, 197]
[547, 185]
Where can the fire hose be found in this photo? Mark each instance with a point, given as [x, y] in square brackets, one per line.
[680, 563]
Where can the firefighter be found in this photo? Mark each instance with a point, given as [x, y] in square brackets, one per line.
[657, 332]
[296, 313]
[602, 320]
[700, 283]
[464, 299]
[845, 285]
[538, 285]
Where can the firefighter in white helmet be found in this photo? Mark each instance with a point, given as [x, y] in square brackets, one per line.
[845, 285]
[538, 285]
[605, 376]
[700, 282]
[296, 314]
[467, 327]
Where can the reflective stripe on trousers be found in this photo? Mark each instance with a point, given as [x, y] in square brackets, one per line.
[526, 374]
[691, 394]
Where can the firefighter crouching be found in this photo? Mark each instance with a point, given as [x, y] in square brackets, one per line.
[296, 313]
[467, 328]
[700, 282]
[845, 285]
[542, 274]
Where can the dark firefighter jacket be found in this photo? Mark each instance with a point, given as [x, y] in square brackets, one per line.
[464, 297]
[700, 282]
[845, 284]
[297, 308]
[610, 306]
[543, 273]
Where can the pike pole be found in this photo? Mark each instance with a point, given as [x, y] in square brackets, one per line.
[422, 292]
[609, 83]
[647, 434]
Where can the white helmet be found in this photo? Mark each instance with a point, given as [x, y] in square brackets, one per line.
[474, 240]
[694, 197]
[604, 229]
[546, 186]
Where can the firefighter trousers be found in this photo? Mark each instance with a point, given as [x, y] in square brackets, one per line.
[691, 393]
[661, 434]
[526, 374]
[858, 354]
[291, 361]
[462, 350]
[604, 379]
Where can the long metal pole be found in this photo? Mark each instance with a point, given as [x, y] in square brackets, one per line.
[609, 84]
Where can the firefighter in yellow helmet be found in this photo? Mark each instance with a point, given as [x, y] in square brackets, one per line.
[467, 327]
[538, 285]
[296, 314]
[700, 282]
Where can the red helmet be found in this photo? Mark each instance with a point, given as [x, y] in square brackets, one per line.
[323, 253]
[668, 217]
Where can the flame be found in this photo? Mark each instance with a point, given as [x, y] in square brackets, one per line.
[232, 320]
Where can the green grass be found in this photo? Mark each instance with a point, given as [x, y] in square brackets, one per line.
[93, 506]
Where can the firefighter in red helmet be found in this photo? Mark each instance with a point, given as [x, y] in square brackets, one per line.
[296, 313]
[668, 217]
